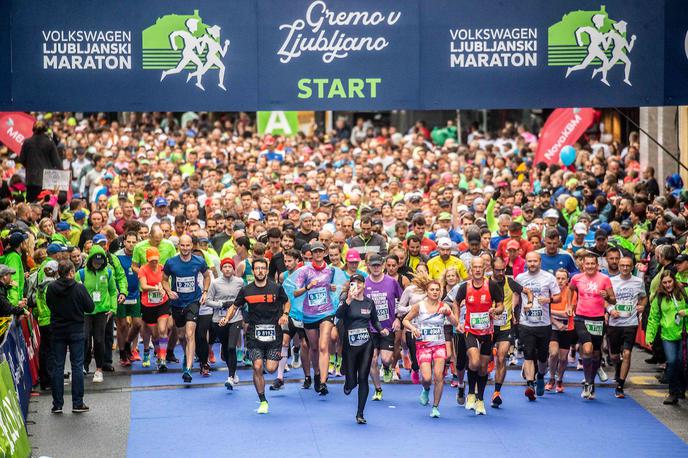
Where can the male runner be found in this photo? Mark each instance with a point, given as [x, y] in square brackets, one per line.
[265, 309]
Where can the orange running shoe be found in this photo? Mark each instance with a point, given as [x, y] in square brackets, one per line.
[211, 357]
[135, 355]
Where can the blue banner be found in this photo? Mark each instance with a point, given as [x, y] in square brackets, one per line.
[345, 55]
[15, 352]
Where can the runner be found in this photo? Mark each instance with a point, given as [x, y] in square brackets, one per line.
[385, 293]
[426, 323]
[266, 308]
[156, 308]
[484, 300]
[315, 280]
[358, 315]
[535, 325]
[181, 283]
[631, 300]
[594, 288]
[131, 307]
[562, 333]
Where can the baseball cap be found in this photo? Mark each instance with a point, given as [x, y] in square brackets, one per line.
[444, 216]
[79, 215]
[55, 248]
[444, 242]
[16, 238]
[353, 256]
[152, 253]
[357, 277]
[682, 258]
[292, 207]
[50, 266]
[99, 238]
[375, 260]
[62, 226]
[107, 176]
[161, 202]
[579, 228]
[551, 213]
[254, 215]
[606, 227]
[513, 245]
[600, 234]
[626, 224]
[122, 196]
[4, 270]
[317, 246]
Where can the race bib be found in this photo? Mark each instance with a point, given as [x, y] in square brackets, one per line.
[534, 313]
[501, 320]
[96, 296]
[317, 296]
[480, 321]
[382, 311]
[625, 310]
[155, 297]
[265, 332]
[431, 334]
[594, 327]
[358, 337]
[130, 301]
[185, 284]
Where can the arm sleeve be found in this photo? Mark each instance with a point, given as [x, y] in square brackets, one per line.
[653, 320]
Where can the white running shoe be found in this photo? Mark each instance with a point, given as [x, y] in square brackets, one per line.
[236, 379]
[513, 361]
[98, 377]
[296, 361]
[602, 375]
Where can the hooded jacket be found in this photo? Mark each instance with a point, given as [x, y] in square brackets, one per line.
[99, 283]
[13, 260]
[68, 301]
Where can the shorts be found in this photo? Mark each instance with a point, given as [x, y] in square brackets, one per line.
[483, 343]
[621, 338]
[535, 340]
[563, 338]
[426, 352]
[583, 326]
[503, 336]
[381, 342]
[316, 324]
[133, 310]
[152, 314]
[292, 329]
[269, 351]
[448, 332]
[182, 315]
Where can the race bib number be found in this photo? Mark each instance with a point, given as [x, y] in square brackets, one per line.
[535, 312]
[185, 284]
[96, 296]
[382, 311]
[155, 297]
[358, 337]
[594, 327]
[625, 310]
[431, 334]
[129, 301]
[317, 296]
[480, 321]
[501, 319]
[265, 332]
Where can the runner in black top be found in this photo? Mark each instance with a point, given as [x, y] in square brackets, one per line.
[357, 317]
[265, 309]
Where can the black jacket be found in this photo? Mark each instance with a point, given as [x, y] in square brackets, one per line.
[37, 154]
[68, 301]
[6, 307]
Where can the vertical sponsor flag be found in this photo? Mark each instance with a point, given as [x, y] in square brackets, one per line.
[563, 127]
[15, 128]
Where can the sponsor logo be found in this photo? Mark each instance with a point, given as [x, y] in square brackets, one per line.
[590, 41]
[86, 49]
[493, 47]
[184, 43]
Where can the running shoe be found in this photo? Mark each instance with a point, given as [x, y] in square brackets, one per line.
[496, 400]
[550, 385]
[424, 397]
[378, 395]
[619, 392]
[360, 420]
[480, 408]
[135, 355]
[579, 365]
[513, 360]
[211, 357]
[171, 358]
[397, 375]
[146, 360]
[435, 413]
[56, 409]
[263, 408]
[186, 376]
[415, 377]
[470, 402]
[98, 377]
[461, 396]
[158, 360]
[540, 387]
[80, 409]
[455, 381]
[205, 370]
[323, 389]
[490, 366]
[330, 369]
[592, 392]
[277, 384]
[236, 379]
[602, 375]
[296, 360]
[108, 368]
[585, 394]
[670, 400]
[560, 387]
[347, 390]
[338, 367]
[229, 384]
[530, 393]
[162, 368]
[316, 383]
[387, 374]
[307, 383]
[124, 363]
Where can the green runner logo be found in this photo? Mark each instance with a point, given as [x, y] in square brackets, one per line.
[584, 39]
[177, 42]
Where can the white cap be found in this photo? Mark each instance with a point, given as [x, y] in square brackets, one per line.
[254, 215]
[444, 242]
[579, 228]
[292, 207]
[489, 190]
[551, 213]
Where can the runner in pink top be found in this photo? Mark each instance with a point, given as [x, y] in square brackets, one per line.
[594, 289]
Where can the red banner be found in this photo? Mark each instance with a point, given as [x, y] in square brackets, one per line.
[15, 128]
[563, 127]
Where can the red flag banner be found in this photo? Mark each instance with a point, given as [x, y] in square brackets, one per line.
[15, 127]
[563, 127]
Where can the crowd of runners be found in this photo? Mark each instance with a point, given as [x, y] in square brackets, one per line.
[364, 253]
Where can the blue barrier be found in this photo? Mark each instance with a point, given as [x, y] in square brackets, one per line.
[13, 350]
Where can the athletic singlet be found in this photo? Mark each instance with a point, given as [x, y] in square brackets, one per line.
[431, 326]
[478, 305]
[152, 298]
[503, 321]
[561, 307]
[248, 273]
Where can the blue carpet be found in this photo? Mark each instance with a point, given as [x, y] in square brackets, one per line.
[215, 422]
